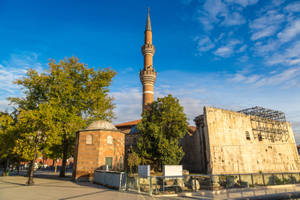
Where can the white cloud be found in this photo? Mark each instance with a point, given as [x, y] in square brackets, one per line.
[228, 49]
[243, 3]
[266, 25]
[204, 43]
[215, 11]
[234, 18]
[4, 105]
[128, 104]
[289, 56]
[264, 49]
[224, 51]
[290, 32]
[277, 2]
[293, 7]
[287, 77]
[264, 32]
[242, 48]
[11, 70]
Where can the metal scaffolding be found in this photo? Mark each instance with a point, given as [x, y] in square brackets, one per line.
[267, 124]
[265, 113]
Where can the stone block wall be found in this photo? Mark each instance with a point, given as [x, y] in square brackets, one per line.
[233, 147]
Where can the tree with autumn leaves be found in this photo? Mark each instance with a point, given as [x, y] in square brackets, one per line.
[56, 104]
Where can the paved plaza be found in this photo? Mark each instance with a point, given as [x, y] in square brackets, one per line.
[54, 188]
[13, 188]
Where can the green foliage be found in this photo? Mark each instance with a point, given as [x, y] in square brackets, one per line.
[61, 101]
[161, 128]
[6, 134]
[133, 160]
[34, 131]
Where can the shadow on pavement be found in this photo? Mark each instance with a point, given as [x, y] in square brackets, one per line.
[83, 195]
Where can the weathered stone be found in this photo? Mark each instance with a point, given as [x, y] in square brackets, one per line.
[226, 142]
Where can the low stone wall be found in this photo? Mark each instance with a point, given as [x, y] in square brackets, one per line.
[110, 179]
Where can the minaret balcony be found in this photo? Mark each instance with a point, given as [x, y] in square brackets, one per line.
[148, 49]
[148, 76]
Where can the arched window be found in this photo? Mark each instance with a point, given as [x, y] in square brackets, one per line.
[89, 139]
[109, 140]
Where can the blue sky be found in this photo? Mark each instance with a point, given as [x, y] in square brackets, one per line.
[231, 54]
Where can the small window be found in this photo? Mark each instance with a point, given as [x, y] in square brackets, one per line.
[89, 139]
[260, 137]
[109, 140]
[247, 135]
[108, 162]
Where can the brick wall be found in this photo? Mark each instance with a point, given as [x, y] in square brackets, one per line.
[91, 155]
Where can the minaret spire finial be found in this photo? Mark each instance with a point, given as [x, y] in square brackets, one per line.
[148, 23]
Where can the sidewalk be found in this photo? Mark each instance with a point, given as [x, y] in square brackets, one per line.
[50, 187]
[268, 192]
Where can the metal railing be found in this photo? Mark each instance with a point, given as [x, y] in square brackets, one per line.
[197, 182]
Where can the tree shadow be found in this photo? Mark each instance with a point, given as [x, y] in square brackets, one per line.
[82, 195]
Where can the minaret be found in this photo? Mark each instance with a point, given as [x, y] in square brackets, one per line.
[148, 74]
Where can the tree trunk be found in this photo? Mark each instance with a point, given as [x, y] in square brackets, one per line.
[55, 166]
[62, 172]
[18, 168]
[30, 173]
[5, 168]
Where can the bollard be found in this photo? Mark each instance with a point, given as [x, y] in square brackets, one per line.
[150, 186]
[139, 188]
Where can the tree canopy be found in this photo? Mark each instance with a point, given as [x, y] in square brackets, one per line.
[161, 128]
[59, 102]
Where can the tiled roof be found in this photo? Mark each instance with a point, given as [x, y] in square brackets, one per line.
[131, 123]
[192, 129]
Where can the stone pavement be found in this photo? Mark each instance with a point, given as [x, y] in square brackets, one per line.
[13, 188]
[54, 188]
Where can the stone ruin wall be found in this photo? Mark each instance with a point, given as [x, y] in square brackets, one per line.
[229, 149]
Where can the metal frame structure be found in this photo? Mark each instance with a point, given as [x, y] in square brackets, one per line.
[267, 124]
[265, 113]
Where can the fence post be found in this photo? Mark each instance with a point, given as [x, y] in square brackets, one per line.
[252, 180]
[163, 182]
[282, 178]
[139, 188]
[156, 185]
[263, 179]
[150, 186]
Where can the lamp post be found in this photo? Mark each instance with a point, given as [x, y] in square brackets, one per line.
[38, 138]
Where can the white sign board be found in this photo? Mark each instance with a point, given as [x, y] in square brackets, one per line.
[144, 170]
[172, 170]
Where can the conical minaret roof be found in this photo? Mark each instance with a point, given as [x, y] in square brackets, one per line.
[148, 23]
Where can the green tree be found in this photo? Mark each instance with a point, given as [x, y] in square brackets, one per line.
[34, 131]
[76, 94]
[133, 160]
[7, 141]
[161, 128]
